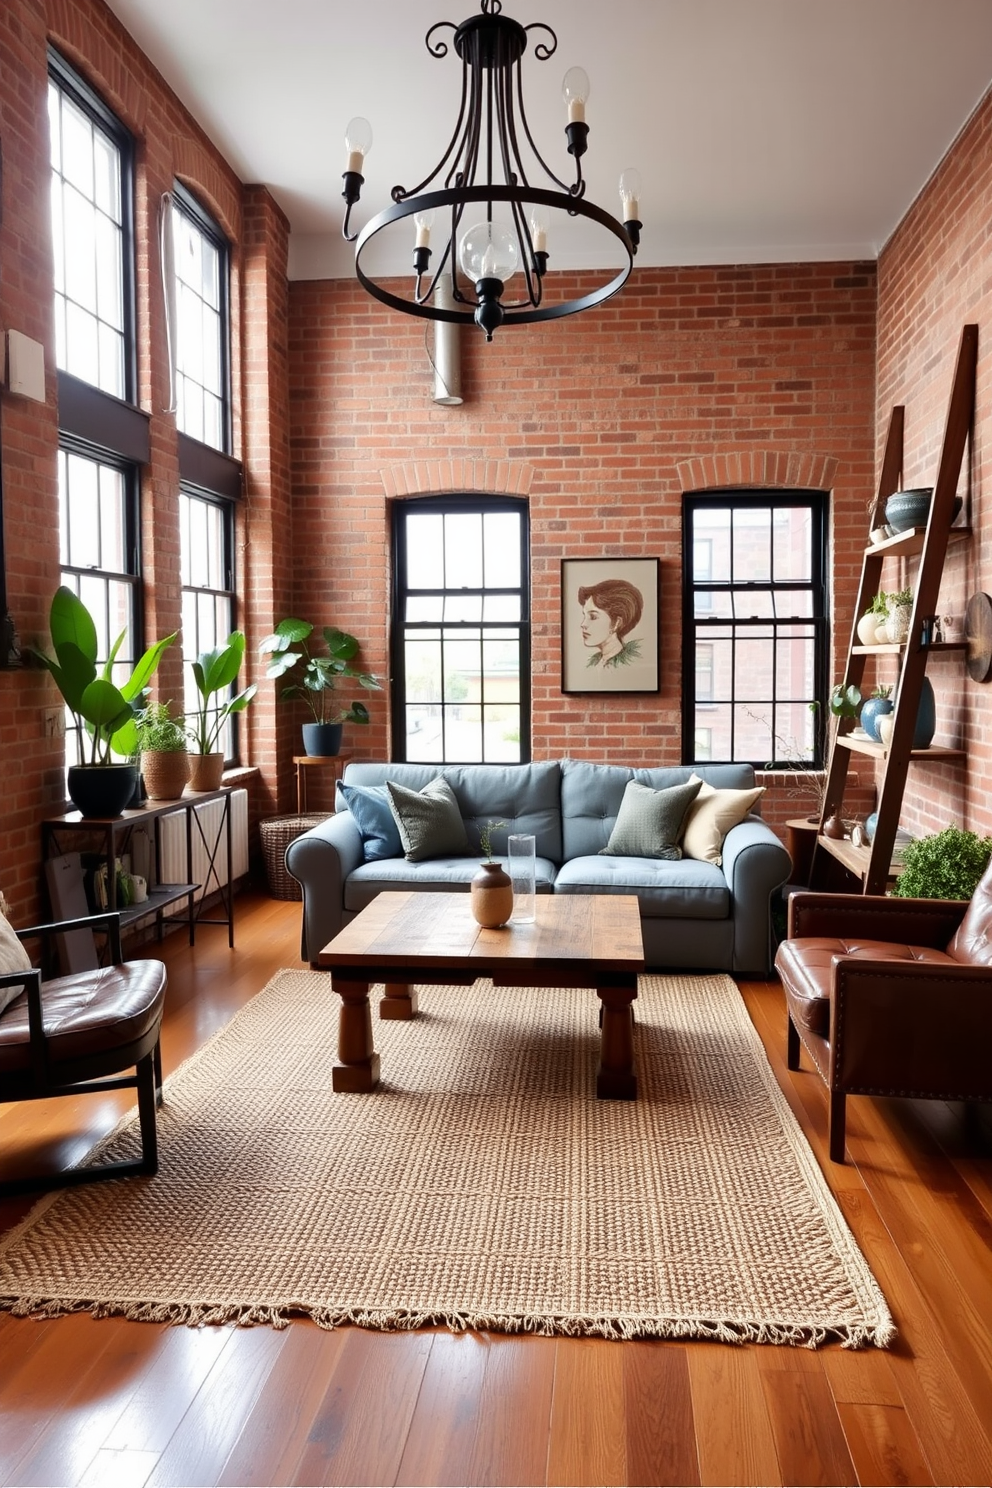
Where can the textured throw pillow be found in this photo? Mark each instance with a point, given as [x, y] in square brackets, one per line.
[429, 822]
[13, 957]
[649, 822]
[373, 813]
[711, 817]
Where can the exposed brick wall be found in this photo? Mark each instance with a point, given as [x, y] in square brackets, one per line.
[169, 144]
[689, 376]
[935, 275]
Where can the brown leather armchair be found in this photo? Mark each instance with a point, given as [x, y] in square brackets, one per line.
[76, 1034]
[890, 996]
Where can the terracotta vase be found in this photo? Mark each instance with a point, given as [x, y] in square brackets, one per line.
[206, 771]
[491, 894]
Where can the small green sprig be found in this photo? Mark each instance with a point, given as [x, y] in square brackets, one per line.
[486, 837]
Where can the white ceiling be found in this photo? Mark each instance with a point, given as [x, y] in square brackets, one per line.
[764, 130]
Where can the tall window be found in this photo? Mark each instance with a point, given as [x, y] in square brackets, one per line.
[97, 521]
[91, 157]
[461, 630]
[207, 574]
[754, 626]
[200, 255]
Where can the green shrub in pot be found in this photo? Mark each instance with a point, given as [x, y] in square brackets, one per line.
[944, 865]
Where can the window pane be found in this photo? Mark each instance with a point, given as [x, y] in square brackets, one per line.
[201, 330]
[792, 544]
[752, 556]
[460, 688]
[206, 539]
[77, 148]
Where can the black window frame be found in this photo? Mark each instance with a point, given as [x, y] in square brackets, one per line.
[694, 626]
[187, 204]
[456, 504]
[226, 507]
[65, 76]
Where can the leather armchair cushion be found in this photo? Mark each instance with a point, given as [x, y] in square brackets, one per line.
[86, 1013]
[806, 969]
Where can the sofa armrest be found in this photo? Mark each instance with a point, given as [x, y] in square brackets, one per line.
[755, 864]
[924, 922]
[911, 1028]
[320, 860]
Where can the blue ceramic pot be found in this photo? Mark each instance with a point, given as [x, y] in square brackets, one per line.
[926, 717]
[870, 713]
[908, 509]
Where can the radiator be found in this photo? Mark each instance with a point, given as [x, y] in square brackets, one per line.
[172, 845]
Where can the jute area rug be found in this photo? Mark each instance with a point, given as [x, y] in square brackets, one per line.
[481, 1186]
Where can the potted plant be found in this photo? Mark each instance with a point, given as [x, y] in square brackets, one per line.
[900, 609]
[288, 646]
[880, 702]
[214, 673]
[101, 786]
[944, 865]
[873, 619]
[164, 755]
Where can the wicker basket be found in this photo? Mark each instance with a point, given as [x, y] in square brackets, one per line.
[276, 834]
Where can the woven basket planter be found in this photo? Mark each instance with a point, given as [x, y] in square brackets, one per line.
[276, 834]
[165, 774]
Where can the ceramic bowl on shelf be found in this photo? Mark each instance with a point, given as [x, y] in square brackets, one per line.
[907, 509]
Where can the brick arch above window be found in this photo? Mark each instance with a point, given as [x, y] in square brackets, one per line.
[435, 477]
[797, 470]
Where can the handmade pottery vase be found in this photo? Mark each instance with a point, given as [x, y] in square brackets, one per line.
[870, 714]
[897, 623]
[867, 626]
[491, 896]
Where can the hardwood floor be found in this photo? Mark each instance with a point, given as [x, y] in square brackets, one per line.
[114, 1403]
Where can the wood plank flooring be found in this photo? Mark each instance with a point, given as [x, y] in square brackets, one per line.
[124, 1404]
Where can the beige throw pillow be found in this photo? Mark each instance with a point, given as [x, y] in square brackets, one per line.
[13, 957]
[711, 817]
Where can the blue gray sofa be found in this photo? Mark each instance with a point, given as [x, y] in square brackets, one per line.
[693, 914]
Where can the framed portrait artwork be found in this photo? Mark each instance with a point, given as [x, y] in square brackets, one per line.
[609, 624]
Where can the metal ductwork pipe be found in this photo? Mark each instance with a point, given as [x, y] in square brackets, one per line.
[447, 349]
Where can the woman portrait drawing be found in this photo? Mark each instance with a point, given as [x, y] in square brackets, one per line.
[610, 611]
[609, 624]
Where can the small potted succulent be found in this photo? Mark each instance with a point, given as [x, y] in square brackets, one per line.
[163, 748]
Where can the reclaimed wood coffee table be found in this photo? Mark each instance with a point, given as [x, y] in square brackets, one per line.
[577, 940]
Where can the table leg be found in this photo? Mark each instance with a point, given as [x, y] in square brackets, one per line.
[615, 1078]
[399, 1003]
[357, 1069]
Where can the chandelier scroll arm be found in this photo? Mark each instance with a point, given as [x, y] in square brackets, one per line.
[542, 51]
[438, 48]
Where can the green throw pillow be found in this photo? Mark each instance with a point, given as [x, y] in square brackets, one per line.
[429, 822]
[649, 822]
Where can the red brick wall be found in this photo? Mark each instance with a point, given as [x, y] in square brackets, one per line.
[935, 275]
[591, 417]
[170, 144]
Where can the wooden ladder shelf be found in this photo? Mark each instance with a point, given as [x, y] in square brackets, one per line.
[872, 864]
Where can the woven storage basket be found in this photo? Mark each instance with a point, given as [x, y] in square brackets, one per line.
[276, 834]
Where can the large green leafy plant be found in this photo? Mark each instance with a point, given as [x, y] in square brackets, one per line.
[945, 865]
[318, 674]
[101, 708]
[214, 673]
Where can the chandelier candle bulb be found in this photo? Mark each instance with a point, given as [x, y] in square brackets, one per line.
[575, 91]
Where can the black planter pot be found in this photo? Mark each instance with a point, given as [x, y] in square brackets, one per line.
[322, 738]
[102, 790]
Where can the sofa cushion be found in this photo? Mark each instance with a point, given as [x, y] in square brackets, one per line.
[649, 822]
[711, 817]
[438, 875]
[373, 813]
[591, 795]
[667, 890]
[430, 824]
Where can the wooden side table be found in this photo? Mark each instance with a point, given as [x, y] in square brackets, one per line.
[335, 762]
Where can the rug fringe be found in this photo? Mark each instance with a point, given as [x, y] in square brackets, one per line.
[617, 1329]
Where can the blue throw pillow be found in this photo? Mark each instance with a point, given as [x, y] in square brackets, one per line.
[369, 805]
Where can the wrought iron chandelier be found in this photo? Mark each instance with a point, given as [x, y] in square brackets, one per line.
[484, 169]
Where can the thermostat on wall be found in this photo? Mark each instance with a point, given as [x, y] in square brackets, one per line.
[25, 366]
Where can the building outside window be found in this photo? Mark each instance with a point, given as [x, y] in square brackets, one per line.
[754, 627]
[209, 600]
[91, 157]
[200, 257]
[461, 630]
